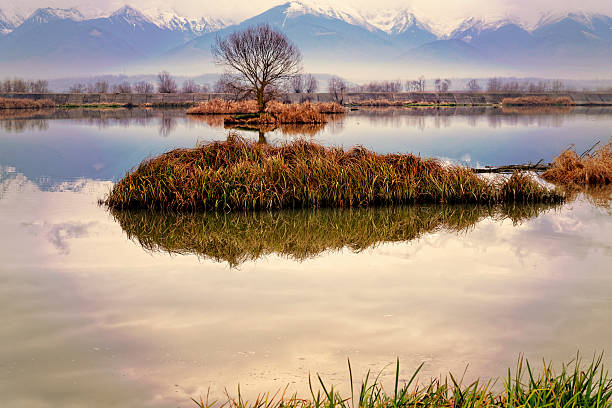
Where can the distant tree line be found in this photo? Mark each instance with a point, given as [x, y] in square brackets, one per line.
[20, 85]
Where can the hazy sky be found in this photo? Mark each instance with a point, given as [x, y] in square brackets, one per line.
[441, 11]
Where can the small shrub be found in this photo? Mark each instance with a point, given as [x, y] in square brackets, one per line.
[591, 169]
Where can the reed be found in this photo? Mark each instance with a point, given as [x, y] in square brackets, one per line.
[223, 107]
[574, 385]
[240, 237]
[10, 103]
[382, 103]
[237, 174]
[591, 168]
[538, 101]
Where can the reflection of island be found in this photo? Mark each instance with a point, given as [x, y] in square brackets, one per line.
[301, 234]
[289, 129]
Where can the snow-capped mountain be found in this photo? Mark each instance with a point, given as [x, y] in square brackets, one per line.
[330, 37]
[174, 22]
[8, 22]
[48, 14]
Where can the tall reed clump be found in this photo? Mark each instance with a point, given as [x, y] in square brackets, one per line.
[588, 169]
[241, 175]
[382, 103]
[573, 386]
[9, 103]
[220, 106]
[538, 101]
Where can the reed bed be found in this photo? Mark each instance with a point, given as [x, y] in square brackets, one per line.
[240, 237]
[591, 168]
[237, 174]
[538, 101]
[382, 103]
[223, 107]
[10, 103]
[573, 385]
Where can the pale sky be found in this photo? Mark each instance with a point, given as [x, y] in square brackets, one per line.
[440, 12]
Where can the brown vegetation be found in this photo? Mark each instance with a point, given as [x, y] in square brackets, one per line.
[588, 169]
[240, 175]
[382, 103]
[9, 103]
[538, 101]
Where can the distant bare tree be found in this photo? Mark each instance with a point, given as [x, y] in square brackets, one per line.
[77, 88]
[557, 86]
[226, 84]
[417, 85]
[297, 83]
[494, 85]
[473, 86]
[311, 84]
[38, 86]
[19, 85]
[99, 86]
[337, 87]
[166, 83]
[122, 87]
[259, 58]
[143, 87]
[190, 86]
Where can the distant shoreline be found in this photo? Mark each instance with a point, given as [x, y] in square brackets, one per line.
[421, 98]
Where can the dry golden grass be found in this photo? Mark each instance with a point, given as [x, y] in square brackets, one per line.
[538, 101]
[241, 175]
[9, 103]
[223, 107]
[591, 169]
[382, 102]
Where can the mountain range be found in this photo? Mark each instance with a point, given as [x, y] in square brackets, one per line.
[393, 43]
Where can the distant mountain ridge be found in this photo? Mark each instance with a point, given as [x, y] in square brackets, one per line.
[330, 38]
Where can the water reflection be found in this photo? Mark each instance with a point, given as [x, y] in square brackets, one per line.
[302, 234]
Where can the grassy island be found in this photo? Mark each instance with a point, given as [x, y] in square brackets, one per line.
[538, 101]
[237, 174]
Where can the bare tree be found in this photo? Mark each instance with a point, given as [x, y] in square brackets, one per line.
[166, 83]
[39, 86]
[337, 87]
[77, 88]
[311, 84]
[122, 87]
[99, 87]
[190, 86]
[259, 58]
[143, 87]
[494, 84]
[19, 85]
[417, 85]
[472, 85]
[297, 83]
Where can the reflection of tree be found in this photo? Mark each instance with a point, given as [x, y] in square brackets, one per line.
[166, 125]
[301, 234]
[17, 121]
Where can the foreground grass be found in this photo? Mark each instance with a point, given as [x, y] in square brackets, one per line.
[573, 385]
[240, 237]
[10, 103]
[240, 175]
[591, 168]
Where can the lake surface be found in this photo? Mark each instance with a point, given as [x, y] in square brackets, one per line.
[141, 309]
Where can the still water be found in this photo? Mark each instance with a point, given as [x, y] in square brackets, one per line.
[141, 309]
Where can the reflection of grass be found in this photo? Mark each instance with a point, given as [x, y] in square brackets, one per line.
[241, 175]
[574, 385]
[301, 234]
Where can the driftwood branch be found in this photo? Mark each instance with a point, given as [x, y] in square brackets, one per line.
[539, 166]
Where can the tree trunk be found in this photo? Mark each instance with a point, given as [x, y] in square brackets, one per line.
[261, 106]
